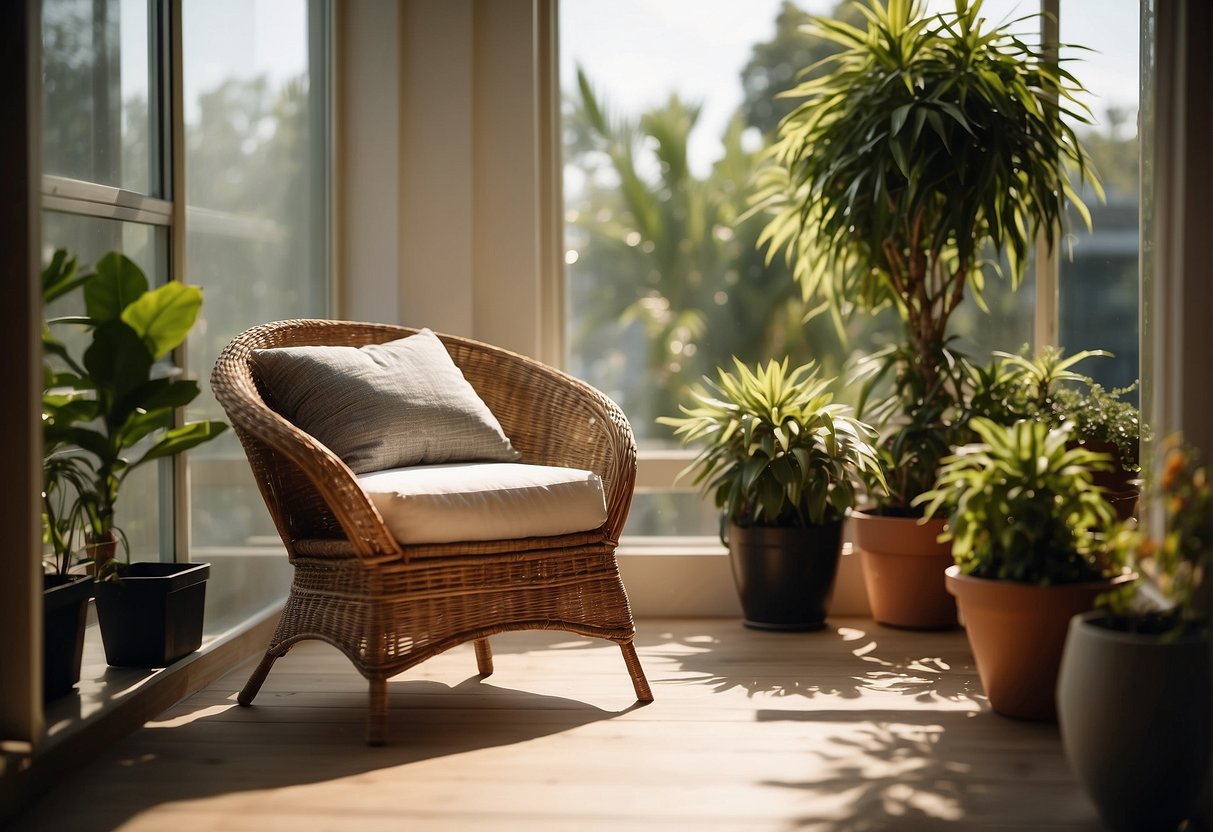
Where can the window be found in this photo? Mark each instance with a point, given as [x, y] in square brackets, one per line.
[256, 172]
[254, 231]
[665, 108]
[106, 182]
[1099, 275]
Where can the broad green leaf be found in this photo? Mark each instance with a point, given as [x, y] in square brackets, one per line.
[164, 392]
[118, 361]
[163, 317]
[118, 282]
[182, 439]
[61, 276]
[142, 423]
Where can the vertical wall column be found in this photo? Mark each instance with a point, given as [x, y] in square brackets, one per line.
[366, 204]
[507, 266]
[20, 343]
[1178, 290]
[437, 189]
[450, 200]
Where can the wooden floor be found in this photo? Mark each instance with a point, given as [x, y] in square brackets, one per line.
[858, 727]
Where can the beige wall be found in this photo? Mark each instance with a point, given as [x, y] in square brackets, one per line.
[367, 167]
[446, 210]
[20, 343]
[1177, 311]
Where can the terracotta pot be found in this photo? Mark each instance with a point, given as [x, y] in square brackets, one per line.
[1134, 716]
[101, 551]
[903, 565]
[785, 576]
[1017, 632]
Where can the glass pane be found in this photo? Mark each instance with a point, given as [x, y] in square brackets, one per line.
[99, 122]
[663, 283]
[671, 513]
[1099, 274]
[256, 225]
[144, 506]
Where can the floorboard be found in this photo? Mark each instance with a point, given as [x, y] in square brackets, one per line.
[855, 728]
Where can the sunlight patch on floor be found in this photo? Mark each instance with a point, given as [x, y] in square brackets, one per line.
[186, 719]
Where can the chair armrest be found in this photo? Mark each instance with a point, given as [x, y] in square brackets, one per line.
[555, 419]
[264, 432]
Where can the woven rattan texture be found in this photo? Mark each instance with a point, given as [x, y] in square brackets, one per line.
[389, 607]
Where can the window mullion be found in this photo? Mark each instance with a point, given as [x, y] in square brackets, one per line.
[1047, 328]
[174, 167]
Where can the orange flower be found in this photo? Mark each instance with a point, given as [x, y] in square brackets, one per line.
[1173, 468]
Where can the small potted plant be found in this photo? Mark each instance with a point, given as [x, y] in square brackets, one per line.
[1028, 533]
[783, 463]
[115, 410]
[1134, 689]
[1046, 387]
[65, 592]
[65, 473]
[928, 142]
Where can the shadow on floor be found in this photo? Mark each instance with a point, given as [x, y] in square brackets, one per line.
[198, 749]
[905, 769]
[882, 661]
[931, 667]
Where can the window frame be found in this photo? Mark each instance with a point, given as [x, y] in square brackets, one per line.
[76, 197]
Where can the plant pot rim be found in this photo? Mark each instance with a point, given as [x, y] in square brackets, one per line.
[873, 513]
[784, 526]
[1088, 622]
[170, 575]
[55, 580]
[953, 573]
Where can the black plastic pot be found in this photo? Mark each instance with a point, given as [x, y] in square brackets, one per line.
[785, 576]
[64, 609]
[152, 615]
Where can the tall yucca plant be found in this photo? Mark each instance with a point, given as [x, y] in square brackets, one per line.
[777, 450]
[928, 142]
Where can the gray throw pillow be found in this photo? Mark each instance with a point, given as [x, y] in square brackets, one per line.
[385, 405]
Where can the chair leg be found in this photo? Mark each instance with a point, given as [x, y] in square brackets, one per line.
[639, 682]
[254, 683]
[376, 726]
[484, 657]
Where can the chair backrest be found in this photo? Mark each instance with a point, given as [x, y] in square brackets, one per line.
[550, 417]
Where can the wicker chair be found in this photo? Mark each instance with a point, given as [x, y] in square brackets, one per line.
[387, 606]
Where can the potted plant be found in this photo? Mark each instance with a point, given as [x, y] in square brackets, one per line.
[1046, 387]
[1028, 533]
[929, 143]
[1140, 663]
[116, 407]
[66, 591]
[783, 462]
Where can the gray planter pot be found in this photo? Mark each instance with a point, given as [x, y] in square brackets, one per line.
[1134, 716]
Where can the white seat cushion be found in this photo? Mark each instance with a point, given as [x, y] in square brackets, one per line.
[485, 501]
